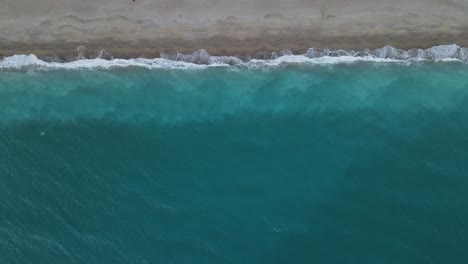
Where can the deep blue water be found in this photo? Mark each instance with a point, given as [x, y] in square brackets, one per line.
[360, 163]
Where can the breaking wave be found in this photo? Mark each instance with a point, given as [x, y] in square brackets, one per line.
[202, 59]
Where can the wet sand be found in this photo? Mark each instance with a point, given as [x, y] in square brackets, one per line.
[66, 29]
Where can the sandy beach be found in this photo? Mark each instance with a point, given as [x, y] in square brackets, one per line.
[67, 29]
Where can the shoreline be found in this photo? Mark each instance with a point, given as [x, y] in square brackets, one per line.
[202, 59]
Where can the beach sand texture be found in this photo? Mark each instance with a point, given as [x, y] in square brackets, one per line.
[68, 29]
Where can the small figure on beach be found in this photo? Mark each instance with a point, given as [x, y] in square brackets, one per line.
[323, 10]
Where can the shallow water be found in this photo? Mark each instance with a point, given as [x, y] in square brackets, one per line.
[353, 163]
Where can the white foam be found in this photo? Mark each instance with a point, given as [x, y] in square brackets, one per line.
[302, 59]
[19, 62]
[201, 59]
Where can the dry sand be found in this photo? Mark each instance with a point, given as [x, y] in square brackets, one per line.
[144, 28]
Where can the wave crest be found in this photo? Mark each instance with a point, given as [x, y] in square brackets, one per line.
[201, 59]
[435, 53]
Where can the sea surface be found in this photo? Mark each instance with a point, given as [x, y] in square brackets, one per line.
[352, 162]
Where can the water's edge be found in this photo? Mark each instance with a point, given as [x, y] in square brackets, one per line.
[201, 59]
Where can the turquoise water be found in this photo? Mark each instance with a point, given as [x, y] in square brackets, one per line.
[349, 163]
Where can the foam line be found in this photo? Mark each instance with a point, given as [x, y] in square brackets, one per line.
[201, 59]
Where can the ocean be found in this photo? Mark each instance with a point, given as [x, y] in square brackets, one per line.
[292, 162]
